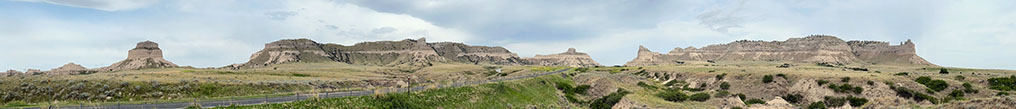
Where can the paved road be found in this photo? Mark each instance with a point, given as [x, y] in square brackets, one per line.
[283, 99]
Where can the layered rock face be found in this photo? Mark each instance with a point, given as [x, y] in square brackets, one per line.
[383, 53]
[816, 48]
[145, 55]
[568, 58]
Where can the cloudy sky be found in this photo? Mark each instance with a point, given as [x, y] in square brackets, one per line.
[44, 34]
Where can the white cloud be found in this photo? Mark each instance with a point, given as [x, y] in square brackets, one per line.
[105, 5]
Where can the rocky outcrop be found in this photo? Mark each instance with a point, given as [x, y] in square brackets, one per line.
[815, 48]
[69, 68]
[145, 55]
[11, 73]
[407, 52]
[568, 58]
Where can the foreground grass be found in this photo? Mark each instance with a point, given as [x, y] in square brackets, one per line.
[536, 92]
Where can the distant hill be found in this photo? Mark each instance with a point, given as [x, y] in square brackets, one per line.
[815, 48]
[408, 52]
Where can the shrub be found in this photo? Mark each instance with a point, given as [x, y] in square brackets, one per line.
[581, 89]
[902, 74]
[647, 86]
[821, 82]
[1002, 83]
[741, 95]
[856, 101]
[845, 79]
[903, 92]
[793, 98]
[672, 95]
[921, 97]
[699, 97]
[845, 88]
[969, 88]
[960, 77]
[956, 93]
[720, 76]
[724, 85]
[606, 102]
[767, 79]
[871, 83]
[1002, 94]
[943, 71]
[755, 101]
[784, 76]
[563, 86]
[923, 79]
[817, 105]
[937, 85]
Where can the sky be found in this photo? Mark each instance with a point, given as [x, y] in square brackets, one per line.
[45, 34]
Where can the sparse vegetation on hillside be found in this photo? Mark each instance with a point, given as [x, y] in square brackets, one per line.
[672, 95]
[793, 98]
[699, 96]
[846, 88]
[936, 85]
[1003, 83]
[754, 101]
[606, 102]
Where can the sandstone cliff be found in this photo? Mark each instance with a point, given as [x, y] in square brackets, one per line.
[145, 55]
[407, 52]
[815, 48]
[568, 58]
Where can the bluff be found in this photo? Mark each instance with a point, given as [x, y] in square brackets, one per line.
[145, 55]
[407, 52]
[568, 58]
[815, 48]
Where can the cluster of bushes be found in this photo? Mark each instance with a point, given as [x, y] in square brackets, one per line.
[754, 101]
[720, 76]
[568, 89]
[647, 86]
[678, 96]
[724, 85]
[1003, 83]
[840, 101]
[793, 98]
[845, 79]
[845, 88]
[969, 88]
[606, 102]
[936, 85]
[916, 96]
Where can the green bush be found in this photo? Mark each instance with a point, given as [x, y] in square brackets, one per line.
[767, 79]
[846, 88]
[1002, 83]
[1002, 93]
[943, 71]
[821, 82]
[755, 101]
[969, 88]
[856, 101]
[793, 98]
[784, 76]
[672, 95]
[606, 102]
[647, 86]
[670, 83]
[581, 89]
[921, 97]
[741, 95]
[724, 85]
[956, 93]
[923, 79]
[699, 96]
[960, 77]
[845, 79]
[817, 105]
[902, 74]
[720, 76]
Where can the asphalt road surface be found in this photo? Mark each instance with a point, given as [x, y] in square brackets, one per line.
[283, 99]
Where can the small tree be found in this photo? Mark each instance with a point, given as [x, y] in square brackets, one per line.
[943, 71]
[767, 79]
[724, 85]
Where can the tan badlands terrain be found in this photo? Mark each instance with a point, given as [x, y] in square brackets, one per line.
[802, 66]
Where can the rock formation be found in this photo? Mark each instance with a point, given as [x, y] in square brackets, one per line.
[69, 68]
[568, 58]
[383, 53]
[815, 48]
[145, 55]
[11, 73]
